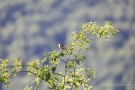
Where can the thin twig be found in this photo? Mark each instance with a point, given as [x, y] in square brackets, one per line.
[59, 74]
[75, 70]
[25, 71]
[16, 65]
[62, 60]
[66, 69]
[65, 74]
[38, 85]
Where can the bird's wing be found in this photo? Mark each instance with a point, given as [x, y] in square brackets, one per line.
[62, 45]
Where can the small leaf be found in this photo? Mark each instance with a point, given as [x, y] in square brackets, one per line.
[53, 69]
[70, 64]
[61, 54]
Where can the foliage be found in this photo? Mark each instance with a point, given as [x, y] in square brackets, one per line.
[71, 78]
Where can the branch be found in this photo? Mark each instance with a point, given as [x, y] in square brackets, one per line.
[59, 74]
[16, 65]
[38, 85]
[62, 60]
[74, 69]
[25, 71]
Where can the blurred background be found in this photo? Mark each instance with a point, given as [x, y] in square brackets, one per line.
[30, 28]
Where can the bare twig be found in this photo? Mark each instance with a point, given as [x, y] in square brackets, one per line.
[16, 65]
[59, 74]
[62, 60]
[25, 71]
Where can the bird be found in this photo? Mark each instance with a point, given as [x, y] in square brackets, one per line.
[61, 46]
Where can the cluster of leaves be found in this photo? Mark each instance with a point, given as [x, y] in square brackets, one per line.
[71, 78]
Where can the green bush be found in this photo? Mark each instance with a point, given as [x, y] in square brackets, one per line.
[71, 78]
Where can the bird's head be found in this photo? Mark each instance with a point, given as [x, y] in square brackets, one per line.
[58, 42]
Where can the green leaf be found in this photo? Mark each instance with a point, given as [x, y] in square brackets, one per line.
[70, 64]
[53, 69]
[48, 76]
[61, 54]
[14, 71]
[90, 73]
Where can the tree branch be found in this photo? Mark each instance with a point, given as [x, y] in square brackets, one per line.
[38, 85]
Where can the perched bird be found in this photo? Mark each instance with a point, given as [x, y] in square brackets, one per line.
[61, 46]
